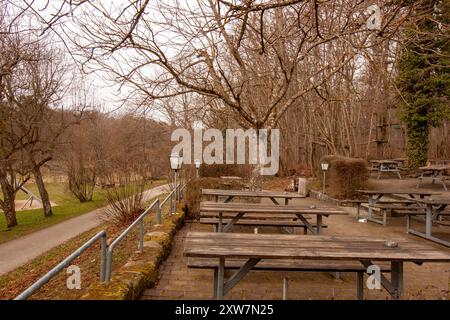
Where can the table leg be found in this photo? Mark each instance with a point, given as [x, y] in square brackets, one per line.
[286, 201]
[306, 223]
[419, 180]
[220, 279]
[443, 182]
[428, 220]
[371, 203]
[274, 201]
[232, 222]
[285, 288]
[220, 222]
[319, 223]
[397, 278]
[216, 277]
[360, 286]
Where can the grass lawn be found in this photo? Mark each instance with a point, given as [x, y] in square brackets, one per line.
[67, 206]
[14, 282]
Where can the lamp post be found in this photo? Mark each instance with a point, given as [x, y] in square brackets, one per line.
[324, 165]
[197, 166]
[175, 165]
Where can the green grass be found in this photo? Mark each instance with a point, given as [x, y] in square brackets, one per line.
[67, 206]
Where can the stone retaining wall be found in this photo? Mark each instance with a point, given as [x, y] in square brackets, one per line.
[141, 271]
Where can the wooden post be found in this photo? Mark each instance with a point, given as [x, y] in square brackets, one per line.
[302, 186]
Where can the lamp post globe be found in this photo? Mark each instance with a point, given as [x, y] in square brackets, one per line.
[324, 166]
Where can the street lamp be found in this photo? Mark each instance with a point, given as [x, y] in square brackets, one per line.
[324, 165]
[175, 165]
[197, 166]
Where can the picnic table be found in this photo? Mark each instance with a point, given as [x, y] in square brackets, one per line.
[272, 195]
[434, 210]
[273, 247]
[374, 197]
[386, 166]
[438, 172]
[238, 210]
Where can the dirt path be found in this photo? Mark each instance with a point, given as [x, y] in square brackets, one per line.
[15, 253]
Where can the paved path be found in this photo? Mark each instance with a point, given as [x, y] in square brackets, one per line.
[15, 253]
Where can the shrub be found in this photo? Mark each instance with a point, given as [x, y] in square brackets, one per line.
[193, 195]
[344, 176]
[125, 203]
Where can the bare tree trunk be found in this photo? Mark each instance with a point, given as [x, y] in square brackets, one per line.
[42, 192]
[8, 203]
[255, 183]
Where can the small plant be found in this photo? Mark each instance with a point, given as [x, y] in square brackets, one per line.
[125, 202]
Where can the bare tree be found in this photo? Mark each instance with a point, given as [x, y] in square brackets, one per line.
[252, 58]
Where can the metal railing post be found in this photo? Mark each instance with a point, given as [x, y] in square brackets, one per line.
[108, 265]
[141, 235]
[158, 213]
[103, 258]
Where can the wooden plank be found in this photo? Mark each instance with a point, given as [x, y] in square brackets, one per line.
[234, 245]
[245, 193]
[436, 167]
[398, 191]
[260, 216]
[288, 265]
[258, 208]
[435, 202]
[251, 222]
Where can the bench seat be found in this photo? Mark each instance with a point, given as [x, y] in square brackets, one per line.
[258, 216]
[262, 222]
[288, 265]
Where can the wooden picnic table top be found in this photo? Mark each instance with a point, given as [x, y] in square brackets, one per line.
[281, 246]
[208, 206]
[399, 191]
[247, 193]
[435, 167]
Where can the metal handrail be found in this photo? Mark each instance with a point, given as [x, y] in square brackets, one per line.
[159, 205]
[106, 255]
[170, 198]
[49, 275]
[139, 221]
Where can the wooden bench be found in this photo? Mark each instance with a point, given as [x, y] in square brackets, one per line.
[389, 208]
[261, 223]
[265, 212]
[293, 265]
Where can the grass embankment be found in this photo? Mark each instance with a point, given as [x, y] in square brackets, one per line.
[14, 282]
[67, 206]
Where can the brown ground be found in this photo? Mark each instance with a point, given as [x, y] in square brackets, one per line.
[429, 281]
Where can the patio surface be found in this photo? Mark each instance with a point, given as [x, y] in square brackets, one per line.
[429, 281]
